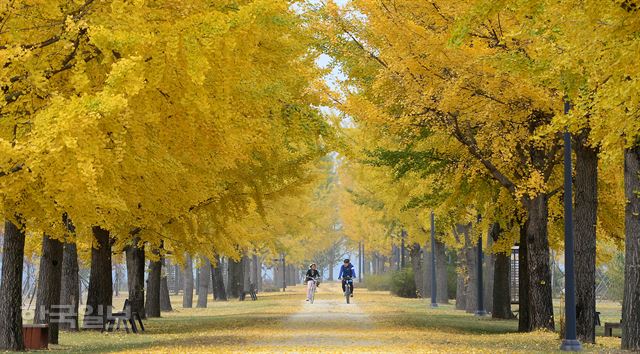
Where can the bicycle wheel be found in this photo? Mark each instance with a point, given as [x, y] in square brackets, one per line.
[313, 294]
[347, 293]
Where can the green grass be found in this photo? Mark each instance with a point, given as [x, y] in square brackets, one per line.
[396, 325]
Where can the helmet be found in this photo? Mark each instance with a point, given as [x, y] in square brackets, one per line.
[312, 264]
[346, 260]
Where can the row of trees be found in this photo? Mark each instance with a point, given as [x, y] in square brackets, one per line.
[457, 107]
[164, 128]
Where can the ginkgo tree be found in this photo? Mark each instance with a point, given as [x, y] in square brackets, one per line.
[444, 67]
[131, 118]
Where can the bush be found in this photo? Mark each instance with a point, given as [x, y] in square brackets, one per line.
[378, 282]
[403, 283]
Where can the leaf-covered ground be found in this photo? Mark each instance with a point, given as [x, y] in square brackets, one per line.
[277, 322]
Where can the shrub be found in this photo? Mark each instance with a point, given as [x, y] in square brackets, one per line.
[378, 282]
[403, 283]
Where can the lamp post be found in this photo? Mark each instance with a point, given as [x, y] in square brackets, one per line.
[434, 285]
[480, 308]
[570, 341]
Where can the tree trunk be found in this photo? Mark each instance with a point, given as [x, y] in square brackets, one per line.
[461, 293]
[471, 285]
[177, 285]
[442, 285]
[11, 288]
[135, 276]
[426, 272]
[70, 287]
[152, 305]
[165, 299]
[219, 293]
[49, 282]
[416, 264]
[187, 297]
[246, 268]
[488, 273]
[254, 271]
[235, 278]
[585, 219]
[501, 280]
[631, 298]
[100, 292]
[539, 275]
[259, 269]
[330, 272]
[203, 282]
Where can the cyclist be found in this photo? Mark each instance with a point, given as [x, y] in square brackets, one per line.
[312, 276]
[347, 270]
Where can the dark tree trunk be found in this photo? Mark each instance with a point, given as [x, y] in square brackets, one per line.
[187, 297]
[135, 276]
[203, 282]
[70, 287]
[539, 274]
[235, 278]
[177, 285]
[461, 293]
[259, 269]
[11, 288]
[254, 271]
[246, 267]
[152, 305]
[501, 278]
[631, 298]
[49, 282]
[585, 218]
[165, 299]
[416, 264]
[442, 286]
[425, 277]
[488, 273]
[100, 292]
[219, 292]
[472, 273]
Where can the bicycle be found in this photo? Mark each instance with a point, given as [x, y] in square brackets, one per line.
[348, 283]
[314, 285]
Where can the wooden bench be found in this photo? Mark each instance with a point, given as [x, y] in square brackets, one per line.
[123, 317]
[35, 336]
[608, 328]
[252, 292]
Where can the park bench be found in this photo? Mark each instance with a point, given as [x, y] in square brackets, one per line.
[123, 317]
[252, 292]
[35, 336]
[609, 326]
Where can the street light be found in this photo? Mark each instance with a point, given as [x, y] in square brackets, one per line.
[570, 341]
[434, 292]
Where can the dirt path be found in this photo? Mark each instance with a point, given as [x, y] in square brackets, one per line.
[328, 323]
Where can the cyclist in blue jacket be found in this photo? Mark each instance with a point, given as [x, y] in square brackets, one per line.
[347, 270]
